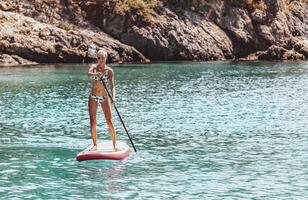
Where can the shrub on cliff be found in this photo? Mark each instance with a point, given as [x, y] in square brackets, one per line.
[143, 9]
[249, 4]
[181, 5]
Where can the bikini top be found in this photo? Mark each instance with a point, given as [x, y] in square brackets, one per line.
[105, 77]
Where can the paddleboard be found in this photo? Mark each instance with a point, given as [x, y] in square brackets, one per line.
[105, 151]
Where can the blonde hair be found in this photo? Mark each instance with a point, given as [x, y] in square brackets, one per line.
[102, 54]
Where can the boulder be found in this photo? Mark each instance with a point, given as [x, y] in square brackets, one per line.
[6, 59]
[273, 53]
[40, 42]
[292, 55]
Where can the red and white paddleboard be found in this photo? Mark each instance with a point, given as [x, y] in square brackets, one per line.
[105, 151]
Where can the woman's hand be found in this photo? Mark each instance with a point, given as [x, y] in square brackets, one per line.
[113, 101]
[99, 74]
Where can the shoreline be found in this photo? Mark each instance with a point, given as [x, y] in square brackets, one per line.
[128, 64]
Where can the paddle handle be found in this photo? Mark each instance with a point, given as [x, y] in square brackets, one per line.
[131, 141]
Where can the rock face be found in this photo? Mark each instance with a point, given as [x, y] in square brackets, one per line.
[293, 48]
[218, 30]
[260, 28]
[175, 39]
[280, 53]
[169, 36]
[6, 59]
[239, 26]
[24, 37]
[70, 30]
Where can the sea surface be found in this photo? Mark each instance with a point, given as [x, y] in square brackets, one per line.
[217, 130]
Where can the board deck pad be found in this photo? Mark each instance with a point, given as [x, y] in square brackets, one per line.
[105, 151]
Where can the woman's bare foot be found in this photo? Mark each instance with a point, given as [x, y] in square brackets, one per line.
[115, 148]
[93, 148]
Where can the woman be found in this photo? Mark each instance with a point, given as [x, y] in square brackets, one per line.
[99, 96]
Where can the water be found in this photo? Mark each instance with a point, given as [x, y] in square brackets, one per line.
[202, 131]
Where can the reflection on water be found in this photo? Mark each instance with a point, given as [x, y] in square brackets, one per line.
[204, 130]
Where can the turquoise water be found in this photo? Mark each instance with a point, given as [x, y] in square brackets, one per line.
[202, 131]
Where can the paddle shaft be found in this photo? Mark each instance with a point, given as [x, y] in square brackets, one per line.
[131, 141]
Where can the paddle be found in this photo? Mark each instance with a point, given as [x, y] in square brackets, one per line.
[118, 114]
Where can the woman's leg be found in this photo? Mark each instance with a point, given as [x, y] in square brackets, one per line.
[92, 104]
[106, 106]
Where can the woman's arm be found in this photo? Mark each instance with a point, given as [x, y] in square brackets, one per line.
[90, 72]
[111, 83]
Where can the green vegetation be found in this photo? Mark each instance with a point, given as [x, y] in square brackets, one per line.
[181, 5]
[67, 26]
[4, 37]
[250, 4]
[184, 4]
[143, 9]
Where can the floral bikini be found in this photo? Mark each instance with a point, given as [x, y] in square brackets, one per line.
[105, 78]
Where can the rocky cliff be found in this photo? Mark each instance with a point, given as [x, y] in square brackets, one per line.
[47, 31]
